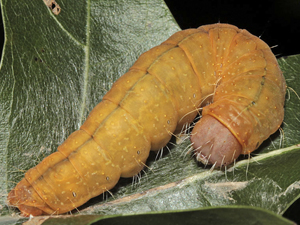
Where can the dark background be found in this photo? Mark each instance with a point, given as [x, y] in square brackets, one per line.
[276, 21]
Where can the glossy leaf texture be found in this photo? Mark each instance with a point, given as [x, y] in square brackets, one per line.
[55, 69]
[221, 215]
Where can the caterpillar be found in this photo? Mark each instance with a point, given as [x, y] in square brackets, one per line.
[227, 72]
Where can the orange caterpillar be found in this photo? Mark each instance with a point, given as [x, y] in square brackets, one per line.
[219, 64]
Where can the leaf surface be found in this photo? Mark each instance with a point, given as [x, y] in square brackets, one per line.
[55, 69]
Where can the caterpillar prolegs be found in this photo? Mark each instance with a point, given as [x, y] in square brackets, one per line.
[219, 64]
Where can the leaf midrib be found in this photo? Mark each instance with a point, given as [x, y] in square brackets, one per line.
[86, 64]
[86, 48]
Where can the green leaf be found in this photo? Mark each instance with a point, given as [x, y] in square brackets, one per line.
[222, 215]
[55, 69]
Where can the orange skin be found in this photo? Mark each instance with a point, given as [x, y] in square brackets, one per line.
[219, 64]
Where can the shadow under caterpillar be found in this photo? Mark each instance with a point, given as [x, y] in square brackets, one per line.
[229, 68]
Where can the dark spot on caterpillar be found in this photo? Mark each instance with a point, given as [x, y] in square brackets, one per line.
[263, 81]
[74, 194]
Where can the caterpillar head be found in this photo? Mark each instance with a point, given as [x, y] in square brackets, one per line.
[27, 200]
[213, 143]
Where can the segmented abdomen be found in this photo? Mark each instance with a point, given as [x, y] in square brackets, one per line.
[161, 92]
